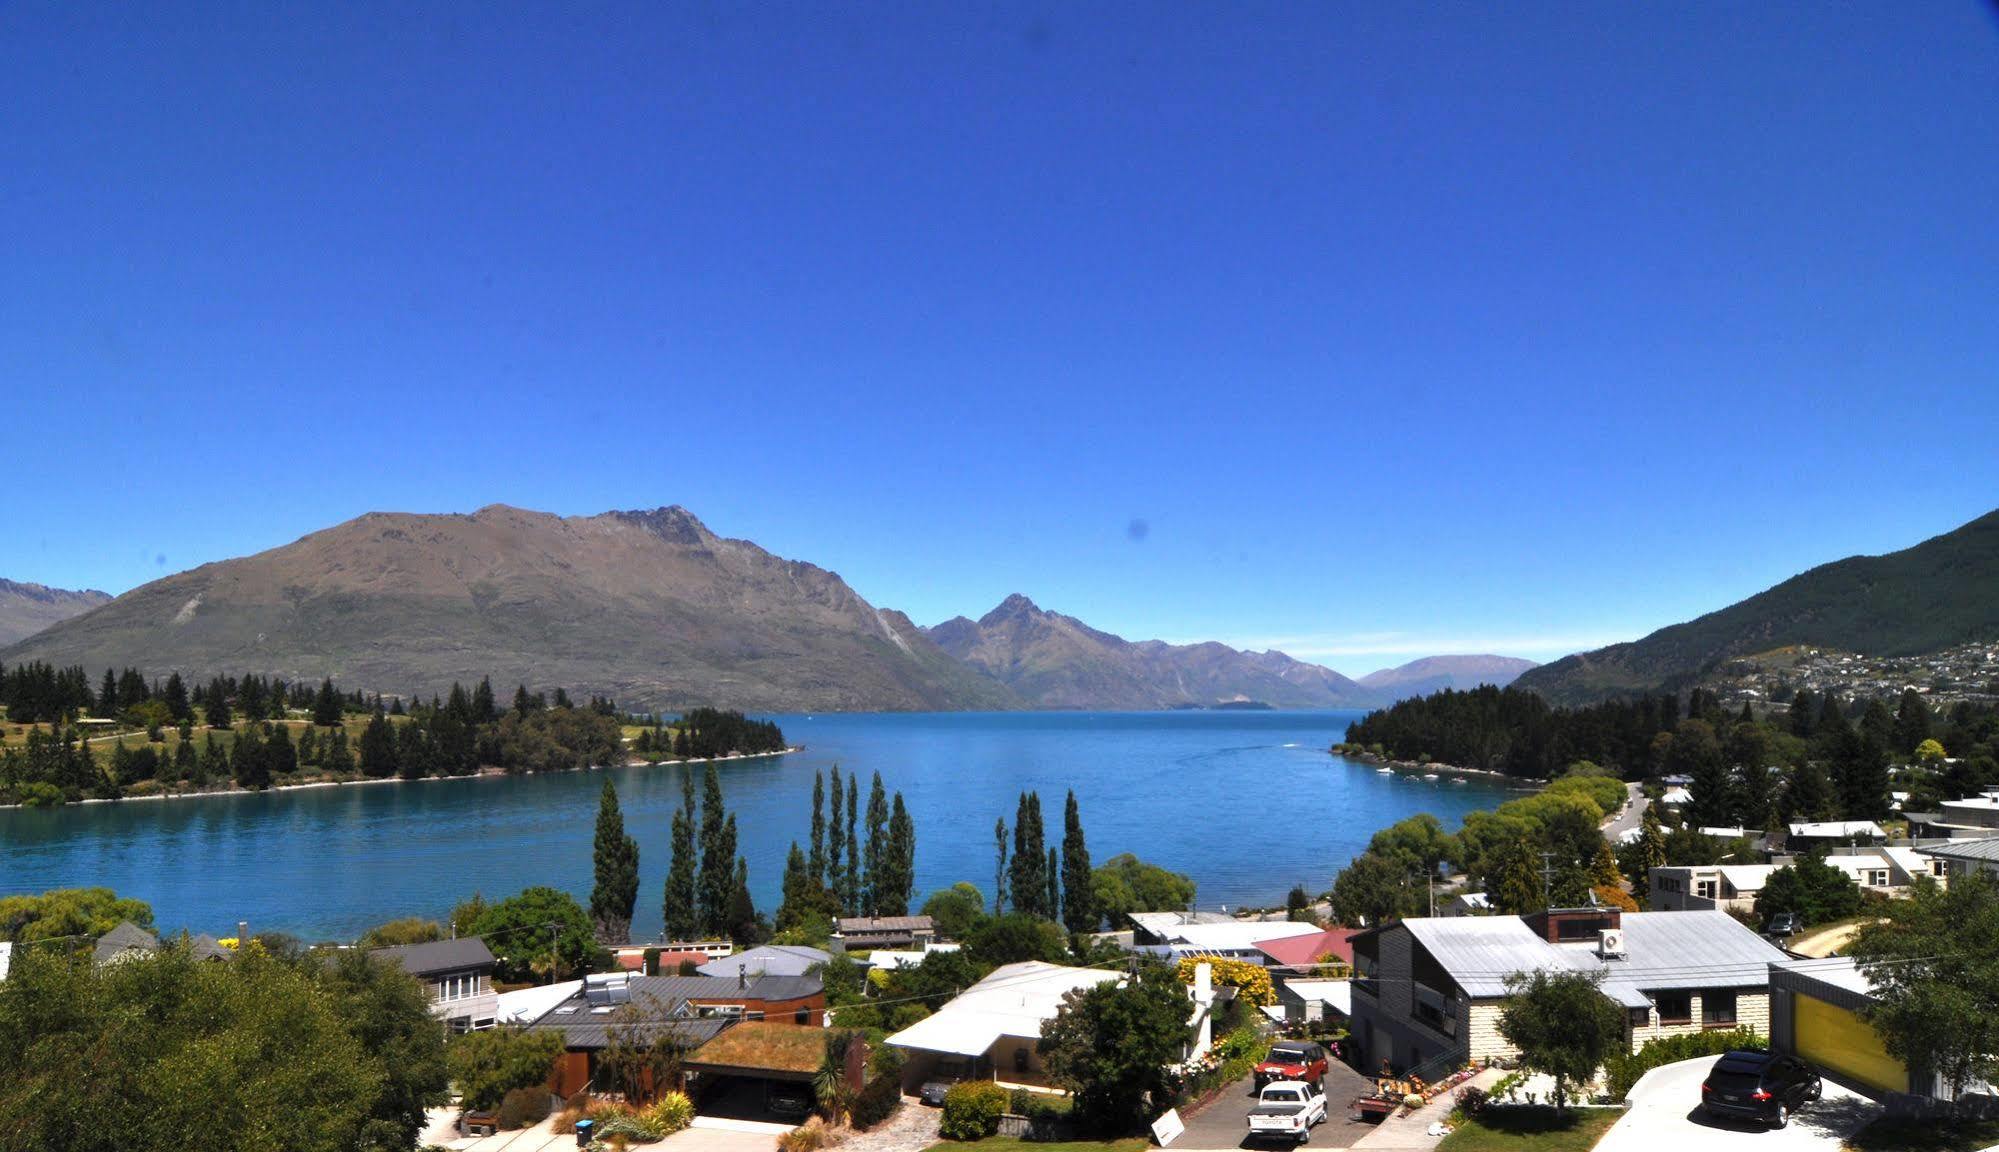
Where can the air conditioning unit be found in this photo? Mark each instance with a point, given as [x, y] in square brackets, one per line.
[1610, 943]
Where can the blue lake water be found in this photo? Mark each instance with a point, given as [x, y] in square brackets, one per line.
[1247, 803]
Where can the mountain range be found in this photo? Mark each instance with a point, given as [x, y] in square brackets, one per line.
[656, 610]
[1937, 594]
[26, 609]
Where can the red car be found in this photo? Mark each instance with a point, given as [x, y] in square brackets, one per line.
[1292, 1060]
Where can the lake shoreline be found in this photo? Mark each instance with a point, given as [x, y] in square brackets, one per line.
[308, 785]
[1418, 768]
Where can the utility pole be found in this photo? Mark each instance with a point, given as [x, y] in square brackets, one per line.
[1547, 876]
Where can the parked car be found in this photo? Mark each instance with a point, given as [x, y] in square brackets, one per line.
[1760, 1085]
[1292, 1060]
[1288, 1110]
[932, 1092]
[790, 1104]
[1784, 924]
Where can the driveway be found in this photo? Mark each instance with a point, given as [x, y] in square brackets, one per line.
[1665, 1112]
[1224, 1123]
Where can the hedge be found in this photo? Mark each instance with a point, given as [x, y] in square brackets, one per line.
[972, 1110]
[1621, 1071]
[877, 1101]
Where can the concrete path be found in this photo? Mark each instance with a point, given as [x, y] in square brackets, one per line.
[1665, 1112]
[1413, 1130]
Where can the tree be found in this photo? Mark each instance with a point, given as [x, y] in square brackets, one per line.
[1125, 884]
[836, 849]
[1934, 966]
[388, 1010]
[326, 708]
[175, 698]
[488, 1064]
[1372, 890]
[873, 878]
[639, 1059]
[1562, 1024]
[1929, 753]
[1110, 1045]
[680, 904]
[802, 908]
[999, 865]
[1029, 880]
[1697, 754]
[215, 705]
[745, 928]
[1644, 854]
[816, 862]
[69, 912]
[1809, 794]
[1298, 905]
[718, 856]
[956, 911]
[1017, 936]
[1515, 885]
[898, 861]
[615, 857]
[378, 747]
[1814, 890]
[850, 880]
[395, 933]
[1079, 897]
[1912, 723]
[539, 931]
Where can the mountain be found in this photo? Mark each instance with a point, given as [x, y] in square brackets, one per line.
[1054, 661]
[1940, 593]
[26, 609]
[648, 607]
[1436, 673]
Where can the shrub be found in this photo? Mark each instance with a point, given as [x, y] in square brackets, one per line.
[807, 1137]
[489, 1064]
[635, 1129]
[670, 1113]
[877, 1101]
[972, 1110]
[1622, 1070]
[1472, 1100]
[1251, 981]
[522, 1108]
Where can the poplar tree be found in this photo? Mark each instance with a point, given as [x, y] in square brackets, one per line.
[898, 862]
[678, 907]
[1053, 899]
[718, 855]
[615, 857]
[816, 863]
[837, 850]
[1079, 907]
[874, 881]
[851, 895]
[999, 866]
[1028, 880]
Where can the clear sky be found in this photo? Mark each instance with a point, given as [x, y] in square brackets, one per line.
[1368, 331]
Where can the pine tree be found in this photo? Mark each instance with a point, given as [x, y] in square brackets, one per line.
[279, 754]
[680, 905]
[816, 863]
[1651, 853]
[1912, 722]
[872, 879]
[378, 747]
[175, 697]
[484, 709]
[338, 758]
[326, 709]
[1515, 886]
[248, 760]
[739, 917]
[616, 862]
[216, 707]
[107, 697]
[1809, 796]
[1052, 872]
[1079, 907]
[1028, 880]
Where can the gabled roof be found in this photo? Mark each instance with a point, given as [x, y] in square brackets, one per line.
[1480, 952]
[1663, 950]
[1977, 851]
[206, 947]
[1015, 1000]
[881, 925]
[767, 960]
[439, 956]
[1303, 950]
[1233, 935]
[126, 937]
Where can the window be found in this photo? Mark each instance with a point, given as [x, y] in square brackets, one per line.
[1704, 889]
[1674, 1007]
[1718, 1009]
[1639, 1018]
[802, 1016]
[457, 987]
[1877, 878]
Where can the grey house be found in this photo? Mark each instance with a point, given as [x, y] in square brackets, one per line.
[459, 976]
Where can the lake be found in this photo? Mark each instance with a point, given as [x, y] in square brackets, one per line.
[1247, 803]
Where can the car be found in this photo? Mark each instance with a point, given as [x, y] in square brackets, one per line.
[790, 1104]
[1292, 1060]
[1288, 1110]
[1785, 924]
[932, 1092]
[1759, 1085]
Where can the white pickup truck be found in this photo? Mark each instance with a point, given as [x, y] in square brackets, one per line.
[1287, 1110]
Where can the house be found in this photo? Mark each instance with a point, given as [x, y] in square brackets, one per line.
[765, 960]
[1153, 927]
[1467, 904]
[1887, 869]
[862, 933]
[1729, 887]
[1963, 857]
[758, 1060]
[1973, 817]
[1428, 992]
[459, 975]
[1804, 836]
[1307, 952]
[691, 1009]
[1313, 1001]
[989, 1030]
[1228, 938]
[1676, 797]
[123, 942]
[1818, 1014]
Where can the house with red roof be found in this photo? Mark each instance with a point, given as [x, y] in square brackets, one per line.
[1331, 946]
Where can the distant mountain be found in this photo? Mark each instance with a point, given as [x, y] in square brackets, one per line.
[26, 609]
[649, 607]
[1940, 593]
[1436, 673]
[1054, 661]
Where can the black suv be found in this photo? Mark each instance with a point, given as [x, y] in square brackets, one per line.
[1759, 1085]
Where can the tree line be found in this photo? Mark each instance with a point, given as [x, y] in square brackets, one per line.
[705, 733]
[841, 873]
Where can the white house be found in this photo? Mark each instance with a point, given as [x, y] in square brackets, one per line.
[989, 1031]
[1730, 887]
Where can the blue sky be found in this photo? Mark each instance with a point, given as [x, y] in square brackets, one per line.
[1368, 331]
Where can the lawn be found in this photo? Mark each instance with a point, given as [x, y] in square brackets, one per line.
[1925, 1136]
[1532, 1130]
[1011, 1144]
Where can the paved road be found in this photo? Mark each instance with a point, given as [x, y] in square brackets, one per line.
[1225, 1122]
[1666, 1113]
[1634, 812]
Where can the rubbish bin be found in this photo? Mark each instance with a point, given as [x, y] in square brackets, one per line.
[583, 1130]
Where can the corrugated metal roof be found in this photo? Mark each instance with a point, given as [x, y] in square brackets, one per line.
[767, 960]
[1663, 950]
[1983, 849]
[1014, 1000]
[439, 955]
[1480, 952]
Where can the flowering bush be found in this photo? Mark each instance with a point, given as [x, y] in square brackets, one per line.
[1251, 981]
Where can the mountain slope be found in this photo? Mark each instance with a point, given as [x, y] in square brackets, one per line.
[649, 607]
[1436, 673]
[26, 609]
[1056, 661]
[1942, 592]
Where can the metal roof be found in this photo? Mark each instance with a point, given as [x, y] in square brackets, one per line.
[1662, 950]
[654, 1005]
[439, 956]
[768, 960]
[1480, 952]
[1833, 829]
[1978, 850]
[1015, 1000]
[878, 925]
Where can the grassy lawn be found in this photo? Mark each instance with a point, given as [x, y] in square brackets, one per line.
[1532, 1130]
[1925, 1136]
[1010, 1144]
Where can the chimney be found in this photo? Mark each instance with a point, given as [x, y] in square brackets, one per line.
[242, 933]
[742, 976]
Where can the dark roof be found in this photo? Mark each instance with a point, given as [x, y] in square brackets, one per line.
[206, 947]
[877, 925]
[439, 956]
[125, 937]
[650, 1006]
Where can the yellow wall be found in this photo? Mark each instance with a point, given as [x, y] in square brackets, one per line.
[1838, 1040]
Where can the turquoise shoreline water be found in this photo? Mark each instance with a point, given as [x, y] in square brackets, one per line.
[1247, 803]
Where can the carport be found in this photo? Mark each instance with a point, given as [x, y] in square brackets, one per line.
[743, 1070]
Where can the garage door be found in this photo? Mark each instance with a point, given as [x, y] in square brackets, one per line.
[1842, 1042]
